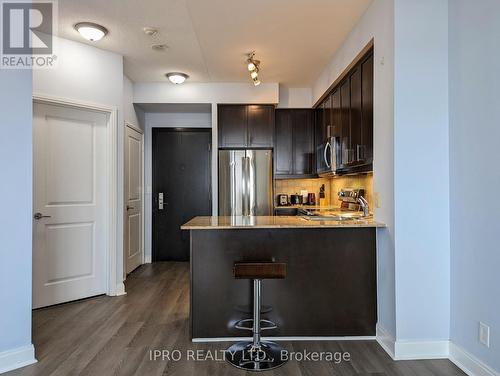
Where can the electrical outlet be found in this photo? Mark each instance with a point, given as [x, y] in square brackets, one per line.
[484, 334]
[377, 199]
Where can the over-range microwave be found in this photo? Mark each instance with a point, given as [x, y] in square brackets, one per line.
[328, 157]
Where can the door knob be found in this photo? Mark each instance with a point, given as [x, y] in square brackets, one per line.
[38, 216]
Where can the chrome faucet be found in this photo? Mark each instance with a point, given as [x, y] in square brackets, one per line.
[364, 205]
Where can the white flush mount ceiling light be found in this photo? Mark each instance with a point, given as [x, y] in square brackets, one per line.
[91, 31]
[159, 47]
[253, 68]
[177, 77]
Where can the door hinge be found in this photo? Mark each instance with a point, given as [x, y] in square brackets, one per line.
[209, 147]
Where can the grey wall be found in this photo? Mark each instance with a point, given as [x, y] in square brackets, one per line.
[16, 223]
[474, 157]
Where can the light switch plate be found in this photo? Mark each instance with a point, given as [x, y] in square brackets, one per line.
[484, 334]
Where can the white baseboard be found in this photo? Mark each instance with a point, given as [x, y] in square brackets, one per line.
[469, 363]
[147, 259]
[386, 340]
[411, 350]
[120, 289]
[17, 358]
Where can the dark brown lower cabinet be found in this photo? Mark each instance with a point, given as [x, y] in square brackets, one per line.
[294, 143]
[330, 288]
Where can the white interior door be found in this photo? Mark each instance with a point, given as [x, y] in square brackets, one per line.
[69, 208]
[133, 243]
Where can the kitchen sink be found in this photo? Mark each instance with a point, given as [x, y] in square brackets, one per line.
[331, 215]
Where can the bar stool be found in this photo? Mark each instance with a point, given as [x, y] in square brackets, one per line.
[256, 355]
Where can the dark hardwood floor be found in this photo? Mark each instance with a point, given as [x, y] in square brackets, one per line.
[114, 336]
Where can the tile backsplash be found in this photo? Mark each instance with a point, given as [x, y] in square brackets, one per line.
[293, 186]
[332, 186]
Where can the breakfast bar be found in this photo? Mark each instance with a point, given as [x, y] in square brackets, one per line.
[330, 286]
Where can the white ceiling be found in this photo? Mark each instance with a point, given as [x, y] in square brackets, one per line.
[208, 39]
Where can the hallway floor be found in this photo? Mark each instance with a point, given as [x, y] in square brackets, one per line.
[116, 336]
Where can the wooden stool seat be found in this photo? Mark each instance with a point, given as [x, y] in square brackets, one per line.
[257, 355]
[259, 270]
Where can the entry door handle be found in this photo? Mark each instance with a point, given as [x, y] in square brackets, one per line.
[160, 201]
[38, 216]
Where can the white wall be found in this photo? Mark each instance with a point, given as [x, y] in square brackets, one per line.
[421, 170]
[377, 23]
[131, 114]
[474, 30]
[164, 120]
[295, 97]
[88, 74]
[16, 349]
[206, 93]
[421, 155]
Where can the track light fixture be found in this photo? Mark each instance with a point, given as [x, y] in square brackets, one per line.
[253, 68]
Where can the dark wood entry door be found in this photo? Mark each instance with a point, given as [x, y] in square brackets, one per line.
[181, 173]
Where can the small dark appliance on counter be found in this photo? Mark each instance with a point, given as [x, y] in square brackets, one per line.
[296, 199]
[283, 200]
[311, 199]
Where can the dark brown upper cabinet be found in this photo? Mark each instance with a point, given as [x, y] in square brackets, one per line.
[345, 124]
[336, 114]
[242, 126]
[232, 126]
[322, 120]
[294, 147]
[347, 113]
[367, 109]
[283, 148]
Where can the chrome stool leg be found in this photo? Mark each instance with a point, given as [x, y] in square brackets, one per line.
[256, 355]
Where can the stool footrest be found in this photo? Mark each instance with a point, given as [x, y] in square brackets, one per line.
[247, 324]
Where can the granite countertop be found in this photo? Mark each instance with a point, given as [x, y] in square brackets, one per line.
[239, 222]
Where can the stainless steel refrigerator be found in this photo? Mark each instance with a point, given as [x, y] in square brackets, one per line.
[245, 182]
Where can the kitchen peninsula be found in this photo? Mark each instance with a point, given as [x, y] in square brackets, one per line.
[329, 290]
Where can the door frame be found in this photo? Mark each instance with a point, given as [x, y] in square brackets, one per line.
[208, 130]
[139, 130]
[113, 287]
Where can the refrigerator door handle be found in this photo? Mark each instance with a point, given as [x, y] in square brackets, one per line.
[233, 184]
[251, 185]
[245, 191]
